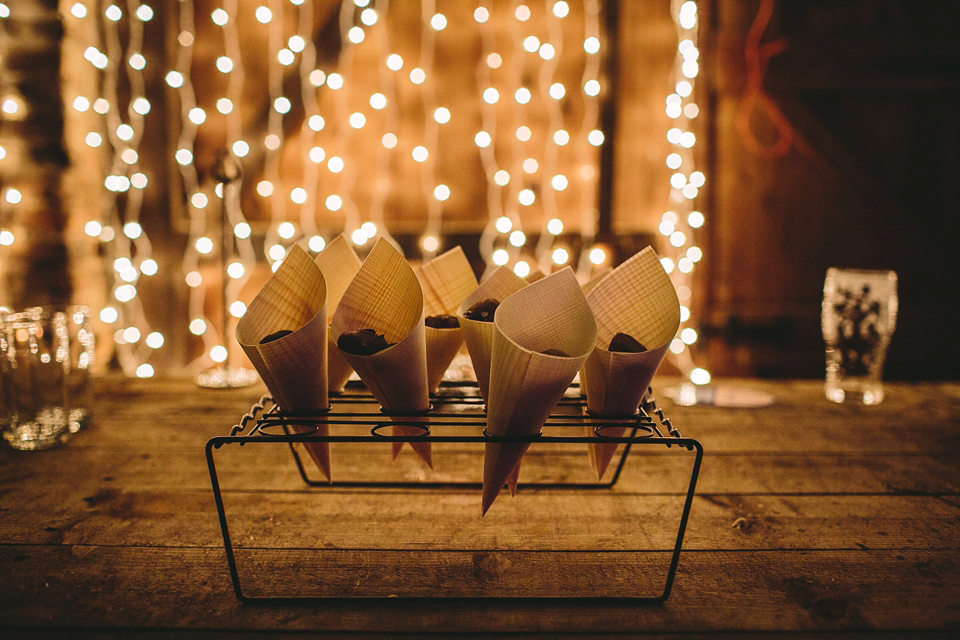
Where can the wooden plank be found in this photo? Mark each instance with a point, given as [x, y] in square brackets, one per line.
[748, 591]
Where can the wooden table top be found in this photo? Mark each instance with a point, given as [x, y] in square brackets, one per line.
[808, 517]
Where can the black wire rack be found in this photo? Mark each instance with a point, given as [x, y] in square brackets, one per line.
[456, 417]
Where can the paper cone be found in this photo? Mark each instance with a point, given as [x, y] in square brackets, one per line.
[293, 367]
[339, 264]
[385, 295]
[637, 298]
[477, 335]
[446, 281]
[525, 384]
[513, 480]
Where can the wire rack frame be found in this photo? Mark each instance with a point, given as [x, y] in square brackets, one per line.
[456, 406]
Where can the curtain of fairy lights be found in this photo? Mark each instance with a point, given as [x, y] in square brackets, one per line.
[680, 225]
[115, 53]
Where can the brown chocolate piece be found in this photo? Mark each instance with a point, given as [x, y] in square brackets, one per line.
[482, 311]
[626, 343]
[276, 335]
[442, 321]
[362, 342]
[555, 352]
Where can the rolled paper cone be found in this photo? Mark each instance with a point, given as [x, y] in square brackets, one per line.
[526, 384]
[446, 280]
[442, 346]
[293, 367]
[339, 264]
[385, 295]
[477, 335]
[638, 299]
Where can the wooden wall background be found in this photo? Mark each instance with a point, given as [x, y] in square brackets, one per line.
[868, 91]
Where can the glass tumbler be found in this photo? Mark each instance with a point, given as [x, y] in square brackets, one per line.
[858, 316]
[34, 371]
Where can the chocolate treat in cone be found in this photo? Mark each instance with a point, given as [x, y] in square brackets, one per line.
[284, 334]
[477, 334]
[339, 264]
[446, 281]
[636, 299]
[385, 296]
[525, 383]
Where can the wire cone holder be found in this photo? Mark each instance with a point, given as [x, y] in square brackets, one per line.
[397, 529]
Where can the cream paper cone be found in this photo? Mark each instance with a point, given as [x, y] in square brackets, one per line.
[525, 385]
[637, 298]
[477, 335]
[385, 295]
[339, 264]
[293, 367]
[446, 281]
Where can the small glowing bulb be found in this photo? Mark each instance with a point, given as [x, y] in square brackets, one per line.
[598, 256]
[265, 188]
[240, 149]
[357, 120]
[678, 238]
[92, 228]
[224, 64]
[694, 254]
[674, 160]
[500, 257]
[530, 165]
[595, 137]
[335, 164]
[555, 226]
[81, 104]
[561, 9]
[526, 197]
[101, 106]
[296, 43]
[559, 182]
[368, 17]
[481, 15]
[155, 340]
[517, 238]
[286, 57]
[220, 17]
[13, 196]
[184, 156]
[298, 195]
[685, 265]
[286, 230]
[316, 122]
[282, 104]
[523, 133]
[561, 137]
[109, 315]
[113, 13]
[417, 76]
[522, 269]
[197, 115]
[7, 238]
[356, 35]
[359, 237]
[137, 61]
[503, 224]
[318, 77]
[523, 95]
[389, 140]
[378, 101]
[531, 44]
[441, 115]
[482, 139]
[276, 252]
[199, 200]
[438, 22]
[78, 10]
[491, 95]
[591, 87]
[560, 256]
[684, 313]
[591, 44]
[149, 267]
[502, 177]
[93, 139]
[369, 228]
[494, 60]
[430, 244]
[198, 326]
[557, 91]
[145, 370]
[219, 352]
[237, 309]
[224, 105]
[125, 132]
[317, 243]
[242, 230]
[700, 376]
[523, 13]
[695, 219]
[132, 230]
[688, 335]
[334, 202]
[394, 62]
[335, 81]
[263, 14]
[130, 156]
[125, 293]
[317, 154]
[547, 51]
[441, 192]
[204, 244]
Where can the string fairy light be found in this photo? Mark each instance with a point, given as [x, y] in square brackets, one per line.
[679, 226]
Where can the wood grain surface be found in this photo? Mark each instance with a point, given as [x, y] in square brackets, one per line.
[809, 518]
